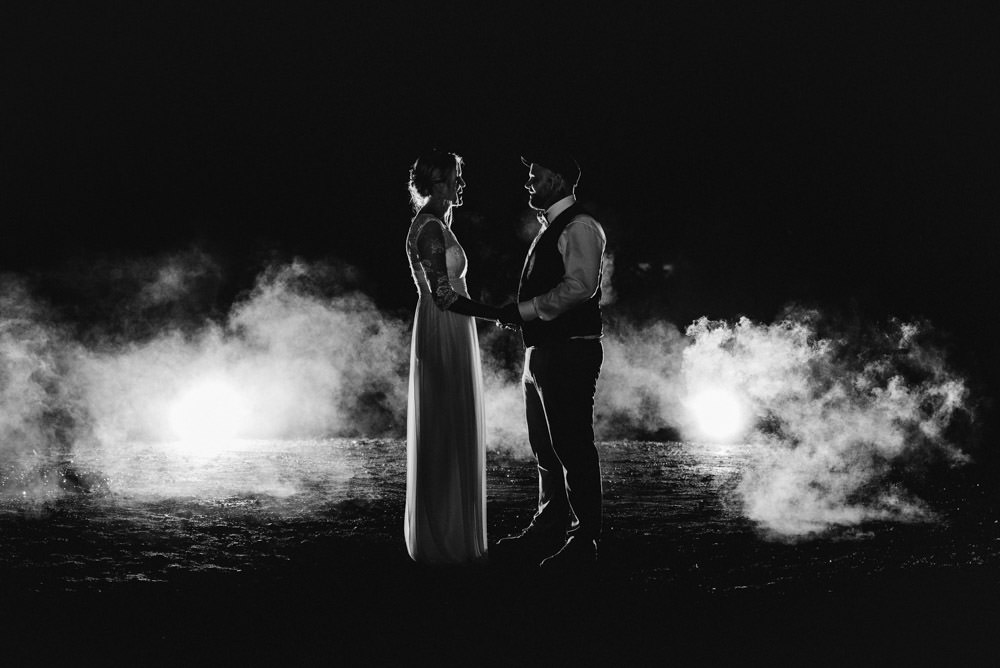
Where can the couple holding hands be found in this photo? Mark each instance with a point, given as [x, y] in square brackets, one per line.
[558, 313]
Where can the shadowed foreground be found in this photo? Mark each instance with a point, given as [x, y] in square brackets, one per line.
[293, 554]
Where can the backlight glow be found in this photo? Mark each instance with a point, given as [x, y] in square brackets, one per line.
[718, 414]
[208, 414]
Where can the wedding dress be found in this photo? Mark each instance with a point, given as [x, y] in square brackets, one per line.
[446, 456]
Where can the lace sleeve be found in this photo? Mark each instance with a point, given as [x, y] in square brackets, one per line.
[431, 248]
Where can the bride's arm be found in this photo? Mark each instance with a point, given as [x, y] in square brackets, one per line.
[431, 248]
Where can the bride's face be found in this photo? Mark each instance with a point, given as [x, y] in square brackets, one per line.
[453, 187]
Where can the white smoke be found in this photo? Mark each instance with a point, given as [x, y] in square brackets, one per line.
[173, 279]
[639, 394]
[309, 359]
[40, 410]
[306, 365]
[835, 420]
[504, 407]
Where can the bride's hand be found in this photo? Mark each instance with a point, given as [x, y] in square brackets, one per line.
[509, 316]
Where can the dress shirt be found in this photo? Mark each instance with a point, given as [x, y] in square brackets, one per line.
[581, 245]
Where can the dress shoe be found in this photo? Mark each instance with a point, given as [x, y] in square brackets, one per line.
[576, 553]
[532, 543]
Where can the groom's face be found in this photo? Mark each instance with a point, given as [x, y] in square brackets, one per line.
[542, 186]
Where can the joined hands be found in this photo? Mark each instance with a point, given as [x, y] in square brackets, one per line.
[509, 316]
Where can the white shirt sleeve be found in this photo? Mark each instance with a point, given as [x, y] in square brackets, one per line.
[582, 246]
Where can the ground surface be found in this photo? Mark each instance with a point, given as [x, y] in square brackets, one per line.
[291, 553]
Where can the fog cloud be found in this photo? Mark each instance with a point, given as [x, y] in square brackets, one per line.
[835, 419]
[838, 420]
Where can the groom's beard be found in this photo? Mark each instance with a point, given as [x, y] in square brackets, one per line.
[543, 198]
[536, 202]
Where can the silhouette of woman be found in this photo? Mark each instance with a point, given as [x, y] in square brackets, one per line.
[446, 453]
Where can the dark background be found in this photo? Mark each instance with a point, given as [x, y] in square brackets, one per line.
[742, 156]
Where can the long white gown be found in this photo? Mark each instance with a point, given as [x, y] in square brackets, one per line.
[445, 445]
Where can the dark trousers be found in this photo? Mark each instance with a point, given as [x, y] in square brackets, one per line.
[559, 385]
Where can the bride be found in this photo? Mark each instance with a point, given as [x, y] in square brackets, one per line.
[446, 453]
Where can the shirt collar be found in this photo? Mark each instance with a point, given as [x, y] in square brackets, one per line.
[553, 211]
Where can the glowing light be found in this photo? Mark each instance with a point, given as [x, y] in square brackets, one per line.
[208, 415]
[718, 414]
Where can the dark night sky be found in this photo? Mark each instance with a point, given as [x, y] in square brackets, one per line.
[844, 156]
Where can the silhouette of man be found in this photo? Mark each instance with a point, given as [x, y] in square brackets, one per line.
[558, 310]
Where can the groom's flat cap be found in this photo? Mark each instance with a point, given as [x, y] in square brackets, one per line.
[554, 159]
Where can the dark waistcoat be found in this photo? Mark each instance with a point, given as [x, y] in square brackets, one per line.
[544, 270]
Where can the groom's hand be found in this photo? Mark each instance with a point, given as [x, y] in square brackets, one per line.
[510, 316]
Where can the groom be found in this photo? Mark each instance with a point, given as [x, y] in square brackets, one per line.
[558, 310]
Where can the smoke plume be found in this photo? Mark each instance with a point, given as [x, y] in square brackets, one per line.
[307, 365]
[639, 394]
[40, 405]
[838, 423]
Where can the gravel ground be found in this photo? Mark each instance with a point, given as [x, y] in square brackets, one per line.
[292, 554]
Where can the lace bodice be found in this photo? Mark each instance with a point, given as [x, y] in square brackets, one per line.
[437, 261]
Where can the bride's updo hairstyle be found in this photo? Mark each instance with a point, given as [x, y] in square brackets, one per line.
[430, 168]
